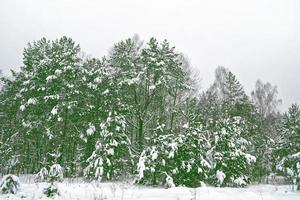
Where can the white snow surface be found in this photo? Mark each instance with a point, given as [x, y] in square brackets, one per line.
[90, 130]
[50, 78]
[31, 101]
[77, 189]
[54, 110]
[220, 176]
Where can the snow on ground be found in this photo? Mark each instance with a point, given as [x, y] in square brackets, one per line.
[123, 191]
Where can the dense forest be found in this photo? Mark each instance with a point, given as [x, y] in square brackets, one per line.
[139, 112]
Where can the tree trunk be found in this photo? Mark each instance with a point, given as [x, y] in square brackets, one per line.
[141, 133]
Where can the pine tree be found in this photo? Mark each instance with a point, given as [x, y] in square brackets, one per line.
[151, 78]
[228, 89]
[231, 160]
[139, 108]
[10, 137]
[288, 152]
[96, 89]
[234, 103]
[49, 97]
[112, 155]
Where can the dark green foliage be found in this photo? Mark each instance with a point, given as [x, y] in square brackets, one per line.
[180, 158]
[230, 153]
[112, 156]
[288, 153]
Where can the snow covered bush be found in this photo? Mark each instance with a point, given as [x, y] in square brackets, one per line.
[42, 175]
[55, 173]
[231, 160]
[175, 160]
[112, 154]
[10, 184]
[290, 166]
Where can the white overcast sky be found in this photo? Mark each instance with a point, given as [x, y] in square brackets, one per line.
[255, 39]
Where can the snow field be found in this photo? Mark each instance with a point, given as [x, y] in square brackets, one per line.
[125, 191]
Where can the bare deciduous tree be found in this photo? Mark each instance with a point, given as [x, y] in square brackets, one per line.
[265, 98]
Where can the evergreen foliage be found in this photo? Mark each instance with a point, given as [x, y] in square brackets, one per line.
[230, 153]
[138, 112]
[288, 153]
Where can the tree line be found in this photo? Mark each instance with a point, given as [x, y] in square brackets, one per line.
[139, 111]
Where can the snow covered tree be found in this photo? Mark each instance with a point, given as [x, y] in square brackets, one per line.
[42, 175]
[267, 132]
[51, 171]
[192, 160]
[288, 153]
[107, 131]
[228, 90]
[139, 106]
[11, 139]
[51, 190]
[54, 174]
[98, 97]
[49, 99]
[230, 99]
[230, 158]
[153, 162]
[112, 153]
[151, 78]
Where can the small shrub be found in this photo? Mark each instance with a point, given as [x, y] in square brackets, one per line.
[10, 184]
[51, 191]
[53, 175]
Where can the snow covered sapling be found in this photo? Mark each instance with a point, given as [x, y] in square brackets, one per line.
[55, 174]
[51, 190]
[10, 184]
